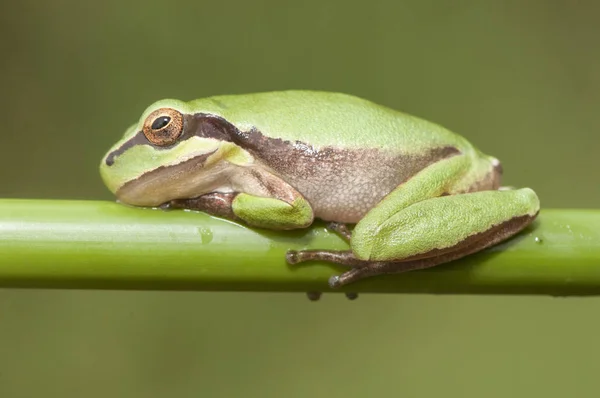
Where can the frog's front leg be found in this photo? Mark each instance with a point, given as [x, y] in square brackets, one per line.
[417, 226]
[221, 204]
[214, 203]
[260, 199]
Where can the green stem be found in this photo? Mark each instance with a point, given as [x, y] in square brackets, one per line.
[104, 245]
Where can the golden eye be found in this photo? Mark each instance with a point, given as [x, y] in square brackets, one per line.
[163, 126]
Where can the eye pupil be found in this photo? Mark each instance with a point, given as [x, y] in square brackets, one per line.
[160, 122]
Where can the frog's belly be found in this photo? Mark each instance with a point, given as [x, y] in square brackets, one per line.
[345, 190]
[347, 198]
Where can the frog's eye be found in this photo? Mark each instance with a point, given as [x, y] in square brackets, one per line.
[163, 126]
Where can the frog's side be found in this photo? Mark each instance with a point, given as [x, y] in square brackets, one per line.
[325, 155]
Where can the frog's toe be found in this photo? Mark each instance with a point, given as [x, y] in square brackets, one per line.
[341, 257]
[292, 257]
[313, 296]
[355, 274]
[341, 229]
[316, 296]
[351, 296]
[334, 281]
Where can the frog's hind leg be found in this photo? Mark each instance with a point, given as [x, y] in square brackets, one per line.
[432, 218]
[432, 232]
[341, 229]
[491, 237]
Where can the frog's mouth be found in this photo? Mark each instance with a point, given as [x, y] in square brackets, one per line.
[187, 179]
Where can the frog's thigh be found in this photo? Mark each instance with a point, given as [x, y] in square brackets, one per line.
[450, 227]
[431, 182]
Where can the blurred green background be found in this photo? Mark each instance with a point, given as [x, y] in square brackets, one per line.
[520, 79]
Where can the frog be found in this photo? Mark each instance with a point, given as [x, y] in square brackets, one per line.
[403, 192]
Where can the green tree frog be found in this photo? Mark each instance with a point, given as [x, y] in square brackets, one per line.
[418, 194]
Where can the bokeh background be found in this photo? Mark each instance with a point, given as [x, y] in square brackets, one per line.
[520, 79]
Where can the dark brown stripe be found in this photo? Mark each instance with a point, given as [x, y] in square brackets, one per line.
[137, 139]
[296, 158]
[198, 125]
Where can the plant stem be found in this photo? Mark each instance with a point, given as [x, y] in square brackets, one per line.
[105, 245]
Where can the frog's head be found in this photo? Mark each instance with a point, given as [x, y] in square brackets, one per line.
[171, 153]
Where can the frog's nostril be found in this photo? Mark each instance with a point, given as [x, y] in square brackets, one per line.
[137, 139]
[110, 158]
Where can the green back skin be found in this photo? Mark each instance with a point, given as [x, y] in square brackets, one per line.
[322, 119]
[342, 153]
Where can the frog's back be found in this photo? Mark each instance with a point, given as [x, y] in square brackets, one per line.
[342, 153]
[329, 119]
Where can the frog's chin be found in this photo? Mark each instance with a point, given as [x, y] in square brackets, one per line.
[188, 179]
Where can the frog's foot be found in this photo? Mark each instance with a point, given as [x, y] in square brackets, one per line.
[353, 275]
[342, 257]
[360, 268]
[341, 229]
